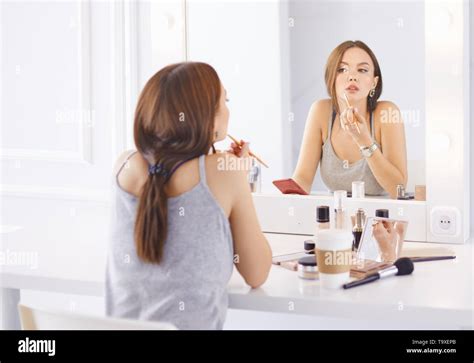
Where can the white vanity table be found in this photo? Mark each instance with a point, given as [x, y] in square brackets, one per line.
[438, 294]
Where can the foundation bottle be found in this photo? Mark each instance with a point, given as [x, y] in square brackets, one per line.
[322, 218]
[339, 210]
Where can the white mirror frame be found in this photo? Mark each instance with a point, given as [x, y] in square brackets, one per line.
[447, 129]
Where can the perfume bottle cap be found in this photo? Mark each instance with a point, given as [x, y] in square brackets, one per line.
[322, 214]
[382, 213]
[339, 198]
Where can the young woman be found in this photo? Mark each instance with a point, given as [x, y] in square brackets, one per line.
[180, 222]
[364, 141]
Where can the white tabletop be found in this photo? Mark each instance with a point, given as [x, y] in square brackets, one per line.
[440, 291]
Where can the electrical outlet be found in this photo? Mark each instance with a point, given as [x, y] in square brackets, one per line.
[445, 221]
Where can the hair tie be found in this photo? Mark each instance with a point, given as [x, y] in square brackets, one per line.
[157, 169]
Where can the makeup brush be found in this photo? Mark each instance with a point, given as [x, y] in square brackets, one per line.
[250, 153]
[349, 106]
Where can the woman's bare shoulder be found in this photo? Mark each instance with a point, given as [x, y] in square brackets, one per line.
[384, 106]
[133, 172]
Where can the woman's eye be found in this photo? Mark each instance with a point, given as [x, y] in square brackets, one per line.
[363, 70]
[340, 70]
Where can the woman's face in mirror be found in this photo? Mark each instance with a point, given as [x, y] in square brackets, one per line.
[355, 75]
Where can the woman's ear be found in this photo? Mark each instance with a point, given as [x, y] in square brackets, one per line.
[376, 81]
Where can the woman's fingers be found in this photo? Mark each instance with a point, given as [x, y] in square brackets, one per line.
[240, 150]
[347, 119]
[245, 149]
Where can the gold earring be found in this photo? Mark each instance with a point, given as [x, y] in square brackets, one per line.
[372, 92]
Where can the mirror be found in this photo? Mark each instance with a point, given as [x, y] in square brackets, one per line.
[395, 32]
[249, 44]
[271, 58]
[382, 239]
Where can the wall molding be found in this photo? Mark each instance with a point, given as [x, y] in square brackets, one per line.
[84, 154]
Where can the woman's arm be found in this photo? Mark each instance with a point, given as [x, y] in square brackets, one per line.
[252, 253]
[310, 152]
[390, 166]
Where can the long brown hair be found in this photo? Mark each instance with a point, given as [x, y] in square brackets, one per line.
[332, 66]
[174, 122]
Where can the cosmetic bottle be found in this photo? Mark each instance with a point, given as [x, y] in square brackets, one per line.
[358, 228]
[339, 211]
[322, 218]
[358, 189]
[382, 213]
[254, 177]
[309, 247]
[401, 191]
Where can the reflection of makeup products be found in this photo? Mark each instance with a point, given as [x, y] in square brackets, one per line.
[322, 218]
[307, 268]
[309, 247]
[400, 191]
[340, 214]
[349, 106]
[358, 189]
[402, 195]
[382, 213]
[250, 153]
[420, 192]
[358, 228]
[254, 177]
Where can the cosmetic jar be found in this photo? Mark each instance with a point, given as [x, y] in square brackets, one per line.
[307, 268]
[382, 213]
[358, 189]
[309, 246]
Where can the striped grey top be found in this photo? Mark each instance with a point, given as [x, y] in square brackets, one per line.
[189, 287]
[339, 175]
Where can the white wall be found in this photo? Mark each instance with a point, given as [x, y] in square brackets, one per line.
[241, 40]
[395, 33]
[58, 128]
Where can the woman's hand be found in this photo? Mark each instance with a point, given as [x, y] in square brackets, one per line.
[386, 237]
[353, 122]
[242, 151]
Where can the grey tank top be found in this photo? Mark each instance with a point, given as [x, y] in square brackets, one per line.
[339, 175]
[189, 287]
